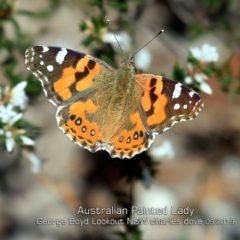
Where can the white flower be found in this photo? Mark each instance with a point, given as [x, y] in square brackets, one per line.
[8, 115]
[231, 167]
[196, 52]
[123, 38]
[18, 96]
[207, 53]
[166, 149]
[15, 118]
[156, 197]
[27, 141]
[200, 77]
[9, 142]
[143, 59]
[34, 159]
[204, 87]
[188, 80]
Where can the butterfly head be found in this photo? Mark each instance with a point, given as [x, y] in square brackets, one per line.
[128, 64]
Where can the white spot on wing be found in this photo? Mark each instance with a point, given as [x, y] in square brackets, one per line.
[50, 68]
[191, 93]
[45, 49]
[176, 106]
[61, 55]
[185, 106]
[39, 73]
[177, 90]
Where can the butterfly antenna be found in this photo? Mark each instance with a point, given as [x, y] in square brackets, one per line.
[161, 31]
[110, 25]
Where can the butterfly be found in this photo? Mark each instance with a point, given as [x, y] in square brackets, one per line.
[99, 107]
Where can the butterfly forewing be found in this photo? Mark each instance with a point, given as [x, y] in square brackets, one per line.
[165, 102]
[66, 75]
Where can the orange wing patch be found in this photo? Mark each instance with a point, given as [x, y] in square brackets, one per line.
[165, 102]
[76, 79]
[127, 143]
[63, 72]
[152, 102]
[75, 124]
[62, 86]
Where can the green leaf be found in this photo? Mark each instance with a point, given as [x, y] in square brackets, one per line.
[178, 73]
[208, 71]
[121, 6]
[97, 3]
[192, 59]
[98, 23]
[34, 87]
[87, 41]
[195, 29]
[225, 81]
[136, 235]
[43, 13]
[83, 26]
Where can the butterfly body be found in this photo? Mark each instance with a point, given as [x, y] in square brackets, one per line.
[99, 107]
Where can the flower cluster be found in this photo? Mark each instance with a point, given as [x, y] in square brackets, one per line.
[12, 104]
[199, 67]
[206, 54]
